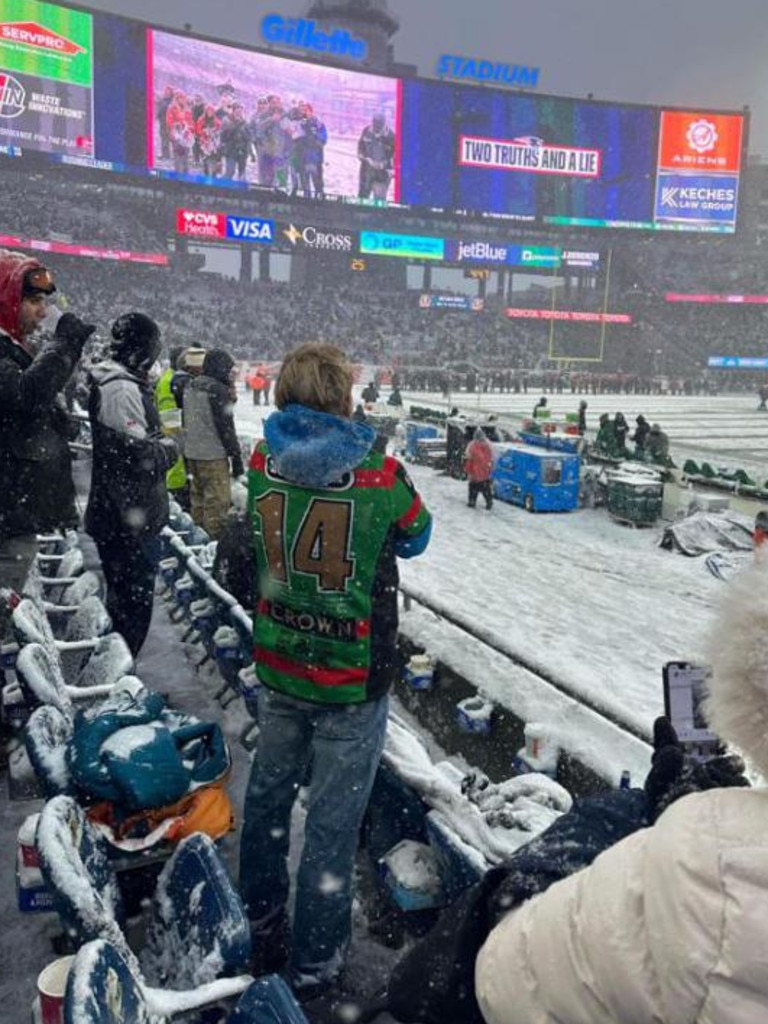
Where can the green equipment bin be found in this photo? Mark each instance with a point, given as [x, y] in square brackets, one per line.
[634, 500]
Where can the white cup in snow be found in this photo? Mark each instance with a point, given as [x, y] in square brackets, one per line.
[51, 985]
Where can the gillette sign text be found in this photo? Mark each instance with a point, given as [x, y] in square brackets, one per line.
[303, 35]
[202, 224]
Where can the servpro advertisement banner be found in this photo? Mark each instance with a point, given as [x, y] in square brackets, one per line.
[46, 77]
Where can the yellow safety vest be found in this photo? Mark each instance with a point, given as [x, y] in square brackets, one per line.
[170, 421]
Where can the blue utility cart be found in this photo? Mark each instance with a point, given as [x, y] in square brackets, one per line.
[539, 479]
[415, 432]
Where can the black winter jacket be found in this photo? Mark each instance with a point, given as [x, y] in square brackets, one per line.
[36, 490]
[130, 456]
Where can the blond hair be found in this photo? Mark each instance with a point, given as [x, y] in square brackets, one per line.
[318, 376]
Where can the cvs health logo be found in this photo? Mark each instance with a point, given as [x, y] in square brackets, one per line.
[201, 224]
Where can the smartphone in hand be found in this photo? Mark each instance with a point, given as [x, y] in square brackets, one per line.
[685, 688]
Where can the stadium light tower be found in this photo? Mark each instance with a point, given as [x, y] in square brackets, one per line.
[368, 19]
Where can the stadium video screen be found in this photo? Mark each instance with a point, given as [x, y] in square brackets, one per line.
[548, 161]
[240, 115]
[114, 93]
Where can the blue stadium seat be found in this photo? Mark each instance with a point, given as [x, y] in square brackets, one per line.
[197, 930]
[104, 988]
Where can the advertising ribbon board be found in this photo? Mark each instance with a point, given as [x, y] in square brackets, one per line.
[738, 362]
[415, 247]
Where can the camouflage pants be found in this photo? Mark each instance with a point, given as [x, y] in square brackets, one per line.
[210, 494]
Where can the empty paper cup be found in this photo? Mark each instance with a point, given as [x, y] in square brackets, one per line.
[51, 984]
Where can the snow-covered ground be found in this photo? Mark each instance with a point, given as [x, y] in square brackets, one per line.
[592, 603]
[723, 429]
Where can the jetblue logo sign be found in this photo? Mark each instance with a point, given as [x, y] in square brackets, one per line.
[511, 255]
[469, 69]
[251, 229]
[304, 35]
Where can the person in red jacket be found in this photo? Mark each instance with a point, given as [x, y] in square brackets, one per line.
[478, 465]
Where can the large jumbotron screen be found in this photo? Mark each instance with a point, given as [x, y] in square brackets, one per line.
[106, 91]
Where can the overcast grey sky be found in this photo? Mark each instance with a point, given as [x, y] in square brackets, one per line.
[710, 53]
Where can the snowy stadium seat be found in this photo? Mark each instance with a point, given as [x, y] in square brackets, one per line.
[89, 584]
[52, 545]
[46, 736]
[103, 988]
[196, 928]
[57, 577]
[87, 633]
[39, 674]
[233, 651]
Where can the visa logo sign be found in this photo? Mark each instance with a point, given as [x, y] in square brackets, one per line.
[251, 229]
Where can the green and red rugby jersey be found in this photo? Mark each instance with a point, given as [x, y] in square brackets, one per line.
[326, 623]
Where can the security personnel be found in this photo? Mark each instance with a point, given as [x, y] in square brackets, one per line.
[168, 399]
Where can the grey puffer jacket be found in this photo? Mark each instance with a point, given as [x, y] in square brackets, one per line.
[130, 456]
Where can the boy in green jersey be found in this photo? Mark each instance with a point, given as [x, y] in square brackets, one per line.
[329, 516]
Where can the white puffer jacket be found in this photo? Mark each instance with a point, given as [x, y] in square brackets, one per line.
[669, 926]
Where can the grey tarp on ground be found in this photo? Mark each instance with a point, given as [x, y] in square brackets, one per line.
[704, 532]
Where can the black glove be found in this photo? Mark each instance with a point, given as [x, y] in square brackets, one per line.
[73, 332]
[673, 774]
[238, 469]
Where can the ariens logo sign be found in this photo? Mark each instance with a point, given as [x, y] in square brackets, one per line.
[303, 35]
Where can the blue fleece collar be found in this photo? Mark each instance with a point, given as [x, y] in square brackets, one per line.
[314, 449]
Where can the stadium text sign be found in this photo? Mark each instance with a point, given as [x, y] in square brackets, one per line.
[303, 35]
[469, 69]
[568, 314]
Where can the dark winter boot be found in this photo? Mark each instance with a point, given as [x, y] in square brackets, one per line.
[271, 943]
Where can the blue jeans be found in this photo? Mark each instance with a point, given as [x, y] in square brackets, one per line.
[344, 746]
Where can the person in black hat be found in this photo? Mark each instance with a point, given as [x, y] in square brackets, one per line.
[128, 502]
[36, 490]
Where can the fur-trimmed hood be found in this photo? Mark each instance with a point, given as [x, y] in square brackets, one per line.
[314, 449]
[737, 708]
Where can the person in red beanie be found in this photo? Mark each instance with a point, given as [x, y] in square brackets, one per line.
[36, 489]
